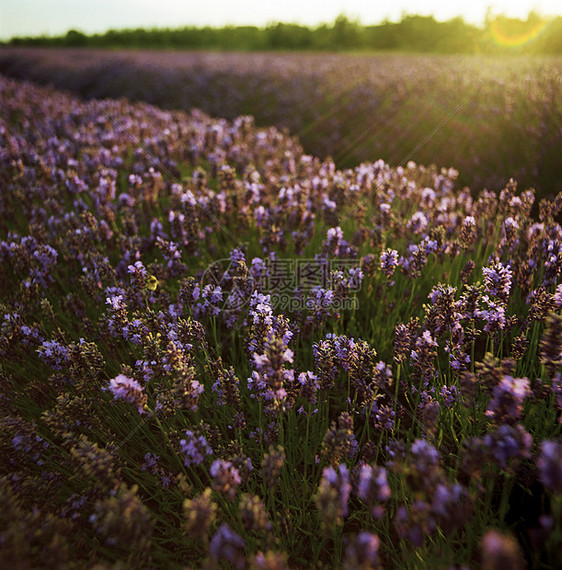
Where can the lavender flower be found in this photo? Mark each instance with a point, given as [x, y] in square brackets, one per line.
[339, 440]
[261, 310]
[442, 315]
[549, 465]
[116, 302]
[320, 300]
[125, 388]
[506, 404]
[345, 349]
[507, 445]
[150, 463]
[226, 387]
[54, 354]
[122, 519]
[425, 455]
[501, 551]
[326, 362]
[211, 295]
[497, 280]
[200, 513]
[333, 495]
[450, 395]
[404, 340]
[138, 271]
[226, 478]
[46, 258]
[309, 386]
[415, 523]
[423, 356]
[111, 251]
[551, 343]
[558, 296]
[362, 552]
[383, 416]
[468, 232]
[389, 261]
[259, 272]
[334, 241]
[229, 546]
[429, 411]
[270, 560]
[509, 233]
[271, 379]
[253, 513]
[494, 315]
[446, 503]
[272, 465]
[195, 448]
[418, 222]
[373, 488]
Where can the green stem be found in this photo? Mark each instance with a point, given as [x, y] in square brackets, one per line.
[306, 441]
[506, 493]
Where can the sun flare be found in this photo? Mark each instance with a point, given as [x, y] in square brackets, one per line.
[510, 33]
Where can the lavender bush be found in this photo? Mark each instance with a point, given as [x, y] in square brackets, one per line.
[217, 351]
[492, 118]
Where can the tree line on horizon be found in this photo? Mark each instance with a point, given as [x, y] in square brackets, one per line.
[413, 33]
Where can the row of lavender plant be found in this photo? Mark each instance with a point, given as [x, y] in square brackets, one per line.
[492, 118]
[218, 351]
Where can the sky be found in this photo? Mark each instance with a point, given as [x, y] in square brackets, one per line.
[56, 17]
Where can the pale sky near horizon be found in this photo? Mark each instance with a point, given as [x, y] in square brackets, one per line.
[56, 17]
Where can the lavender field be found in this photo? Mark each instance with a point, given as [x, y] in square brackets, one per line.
[491, 118]
[218, 351]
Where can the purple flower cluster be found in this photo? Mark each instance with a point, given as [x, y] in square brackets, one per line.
[373, 488]
[124, 388]
[229, 546]
[226, 478]
[54, 354]
[549, 465]
[507, 400]
[333, 495]
[439, 503]
[498, 280]
[194, 448]
[506, 446]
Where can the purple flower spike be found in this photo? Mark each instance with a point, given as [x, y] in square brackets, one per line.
[506, 404]
[549, 465]
[195, 448]
[125, 388]
[229, 546]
